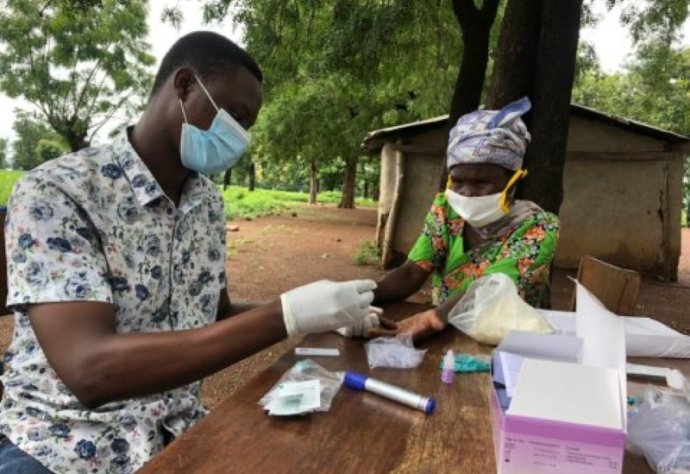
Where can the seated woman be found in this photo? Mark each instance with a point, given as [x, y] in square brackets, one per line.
[477, 227]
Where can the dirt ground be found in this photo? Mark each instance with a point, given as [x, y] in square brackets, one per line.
[269, 255]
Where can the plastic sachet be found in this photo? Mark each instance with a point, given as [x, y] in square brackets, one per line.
[397, 352]
[468, 363]
[660, 430]
[491, 308]
[293, 394]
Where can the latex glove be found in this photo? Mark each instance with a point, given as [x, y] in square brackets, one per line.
[360, 329]
[326, 305]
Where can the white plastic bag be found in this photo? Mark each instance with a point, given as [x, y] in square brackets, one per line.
[397, 352]
[491, 308]
[660, 430]
[303, 371]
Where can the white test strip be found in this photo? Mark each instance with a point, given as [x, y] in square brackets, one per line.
[317, 351]
[376, 309]
[647, 371]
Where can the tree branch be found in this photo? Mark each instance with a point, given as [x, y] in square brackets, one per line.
[488, 11]
[86, 84]
[99, 89]
[466, 13]
[109, 115]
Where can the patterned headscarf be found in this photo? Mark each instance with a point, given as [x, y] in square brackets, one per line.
[497, 137]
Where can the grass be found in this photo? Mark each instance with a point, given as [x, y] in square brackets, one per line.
[7, 180]
[242, 203]
[239, 202]
[368, 253]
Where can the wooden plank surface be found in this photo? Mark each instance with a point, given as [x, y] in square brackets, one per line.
[362, 432]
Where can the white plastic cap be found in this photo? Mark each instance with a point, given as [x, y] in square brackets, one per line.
[449, 360]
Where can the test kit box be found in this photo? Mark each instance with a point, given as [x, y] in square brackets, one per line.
[558, 402]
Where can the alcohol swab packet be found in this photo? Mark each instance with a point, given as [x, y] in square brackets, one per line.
[295, 398]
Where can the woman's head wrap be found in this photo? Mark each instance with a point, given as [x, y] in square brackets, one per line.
[497, 137]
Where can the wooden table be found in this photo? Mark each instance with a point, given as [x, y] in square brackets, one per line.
[362, 433]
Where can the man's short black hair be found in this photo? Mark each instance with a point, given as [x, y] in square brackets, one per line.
[207, 53]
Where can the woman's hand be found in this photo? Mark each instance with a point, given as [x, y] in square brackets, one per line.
[420, 325]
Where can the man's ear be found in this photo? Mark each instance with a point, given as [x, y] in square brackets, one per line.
[183, 80]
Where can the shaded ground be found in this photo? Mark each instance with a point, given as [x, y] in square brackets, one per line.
[270, 255]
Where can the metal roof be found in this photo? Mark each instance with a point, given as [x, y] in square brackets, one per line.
[375, 140]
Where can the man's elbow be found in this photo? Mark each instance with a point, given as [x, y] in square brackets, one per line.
[91, 383]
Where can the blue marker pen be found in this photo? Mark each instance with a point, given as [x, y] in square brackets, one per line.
[359, 381]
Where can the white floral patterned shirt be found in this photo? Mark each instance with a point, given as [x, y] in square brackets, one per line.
[95, 225]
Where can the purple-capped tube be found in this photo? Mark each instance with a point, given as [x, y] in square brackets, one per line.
[358, 381]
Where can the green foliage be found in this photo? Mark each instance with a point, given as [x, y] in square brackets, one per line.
[368, 253]
[336, 69]
[77, 62]
[653, 20]
[48, 149]
[653, 88]
[36, 142]
[3, 154]
[241, 203]
[7, 180]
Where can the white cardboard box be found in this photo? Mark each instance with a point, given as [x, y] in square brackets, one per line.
[567, 416]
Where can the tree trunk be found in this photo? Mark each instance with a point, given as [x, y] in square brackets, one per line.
[313, 182]
[348, 198]
[553, 83]
[475, 27]
[252, 176]
[77, 141]
[516, 53]
[226, 178]
[365, 184]
[535, 57]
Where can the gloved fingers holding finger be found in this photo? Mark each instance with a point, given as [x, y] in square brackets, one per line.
[365, 285]
[365, 299]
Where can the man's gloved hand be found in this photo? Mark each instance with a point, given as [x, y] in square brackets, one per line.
[326, 305]
[360, 329]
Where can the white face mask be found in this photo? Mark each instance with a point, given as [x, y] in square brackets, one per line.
[478, 211]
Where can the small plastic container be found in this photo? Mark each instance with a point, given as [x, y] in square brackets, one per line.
[448, 369]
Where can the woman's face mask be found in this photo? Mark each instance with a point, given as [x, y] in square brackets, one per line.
[214, 150]
[480, 211]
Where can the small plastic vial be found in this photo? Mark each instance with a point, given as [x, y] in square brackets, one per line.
[448, 368]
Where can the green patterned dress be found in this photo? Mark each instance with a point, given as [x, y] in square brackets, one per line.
[524, 253]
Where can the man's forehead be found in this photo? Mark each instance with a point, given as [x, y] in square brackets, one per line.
[236, 79]
[237, 83]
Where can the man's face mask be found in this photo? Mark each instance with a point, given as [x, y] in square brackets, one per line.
[216, 149]
[480, 211]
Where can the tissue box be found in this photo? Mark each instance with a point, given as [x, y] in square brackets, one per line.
[567, 411]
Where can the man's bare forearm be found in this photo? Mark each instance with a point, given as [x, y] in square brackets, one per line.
[102, 366]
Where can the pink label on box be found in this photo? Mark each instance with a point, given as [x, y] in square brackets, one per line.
[525, 445]
[524, 454]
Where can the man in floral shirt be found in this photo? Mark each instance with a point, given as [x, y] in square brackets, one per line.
[116, 276]
[477, 227]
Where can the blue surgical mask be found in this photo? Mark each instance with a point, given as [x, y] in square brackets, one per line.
[216, 149]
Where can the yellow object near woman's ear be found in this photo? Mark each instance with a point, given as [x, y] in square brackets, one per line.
[448, 182]
[512, 182]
